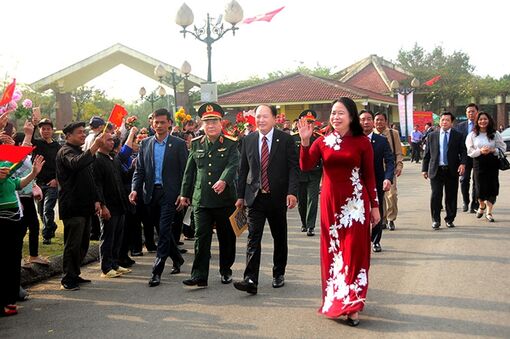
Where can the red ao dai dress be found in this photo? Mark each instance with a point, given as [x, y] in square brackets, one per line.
[347, 195]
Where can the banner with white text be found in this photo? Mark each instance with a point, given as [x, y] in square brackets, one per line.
[402, 102]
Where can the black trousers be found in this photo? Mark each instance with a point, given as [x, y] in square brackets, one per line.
[150, 223]
[377, 229]
[415, 151]
[465, 181]
[177, 224]
[450, 184]
[11, 243]
[162, 210]
[76, 246]
[112, 232]
[263, 208]
[30, 222]
[205, 219]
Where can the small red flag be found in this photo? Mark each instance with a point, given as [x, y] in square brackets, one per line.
[7, 96]
[13, 153]
[263, 17]
[432, 81]
[118, 112]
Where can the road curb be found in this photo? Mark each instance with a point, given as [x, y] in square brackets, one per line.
[37, 273]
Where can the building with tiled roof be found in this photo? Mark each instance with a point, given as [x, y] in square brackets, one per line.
[373, 73]
[296, 92]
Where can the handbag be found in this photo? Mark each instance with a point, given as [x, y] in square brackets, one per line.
[503, 161]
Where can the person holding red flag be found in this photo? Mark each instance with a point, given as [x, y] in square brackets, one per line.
[11, 241]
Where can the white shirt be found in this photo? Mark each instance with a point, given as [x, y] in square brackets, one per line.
[370, 135]
[269, 137]
[441, 138]
[475, 142]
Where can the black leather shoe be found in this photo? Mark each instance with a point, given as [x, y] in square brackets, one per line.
[183, 250]
[46, 241]
[195, 282]
[279, 281]
[226, 278]
[472, 211]
[436, 225]
[246, 286]
[175, 270]
[465, 208]
[352, 322]
[303, 229]
[136, 254]
[391, 225]
[310, 232]
[155, 280]
[383, 226]
[450, 225]
[80, 280]
[126, 262]
[376, 248]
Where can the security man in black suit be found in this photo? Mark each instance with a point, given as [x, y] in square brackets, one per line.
[159, 171]
[268, 185]
[443, 162]
[209, 185]
[384, 166]
[309, 182]
[465, 127]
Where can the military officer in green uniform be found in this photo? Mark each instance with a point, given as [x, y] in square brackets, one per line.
[309, 183]
[209, 185]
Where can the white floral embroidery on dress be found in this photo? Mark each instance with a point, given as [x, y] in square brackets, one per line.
[336, 286]
[333, 140]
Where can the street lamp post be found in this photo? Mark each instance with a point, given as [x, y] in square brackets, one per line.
[210, 32]
[152, 98]
[174, 79]
[405, 91]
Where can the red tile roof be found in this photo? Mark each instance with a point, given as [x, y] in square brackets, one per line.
[368, 78]
[298, 88]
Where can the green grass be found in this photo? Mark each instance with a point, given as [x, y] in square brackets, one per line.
[57, 244]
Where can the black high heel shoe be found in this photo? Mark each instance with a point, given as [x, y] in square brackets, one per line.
[352, 322]
[479, 212]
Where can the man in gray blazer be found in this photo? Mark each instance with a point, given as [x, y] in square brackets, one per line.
[159, 171]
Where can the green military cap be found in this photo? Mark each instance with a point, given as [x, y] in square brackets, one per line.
[210, 111]
[309, 114]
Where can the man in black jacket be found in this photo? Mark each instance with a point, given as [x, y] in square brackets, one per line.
[384, 166]
[443, 162]
[47, 179]
[78, 200]
[268, 185]
[114, 203]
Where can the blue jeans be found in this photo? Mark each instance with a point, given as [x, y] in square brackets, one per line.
[47, 211]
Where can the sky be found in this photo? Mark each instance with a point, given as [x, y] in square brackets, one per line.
[47, 36]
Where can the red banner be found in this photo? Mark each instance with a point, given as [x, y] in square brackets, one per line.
[13, 153]
[421, 118]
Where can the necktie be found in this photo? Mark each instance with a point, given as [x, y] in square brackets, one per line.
[264, 162]
[445, 149]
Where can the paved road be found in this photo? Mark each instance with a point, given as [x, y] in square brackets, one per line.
[447, 283]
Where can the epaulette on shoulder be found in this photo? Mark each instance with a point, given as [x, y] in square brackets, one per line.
[197, 138]
[229, 137]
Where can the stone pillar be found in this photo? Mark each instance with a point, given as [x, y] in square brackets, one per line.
[64, 109]
[501, 112]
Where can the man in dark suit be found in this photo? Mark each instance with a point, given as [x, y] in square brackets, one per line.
[159, 171]
[465, 128]
[309, 182]
[384, 165]
[443, 162]
[268, 185]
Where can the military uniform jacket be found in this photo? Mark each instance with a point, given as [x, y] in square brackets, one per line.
[316, 172]
[207, 163]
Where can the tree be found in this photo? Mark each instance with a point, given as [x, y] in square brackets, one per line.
[81, 96]
[455, 71]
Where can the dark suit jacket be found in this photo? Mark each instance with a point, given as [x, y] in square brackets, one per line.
[384, 161]
[462, 127]
[456, 153]
[174, 163]
[282, 170]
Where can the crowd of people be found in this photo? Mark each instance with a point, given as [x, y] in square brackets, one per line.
[131, 189]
